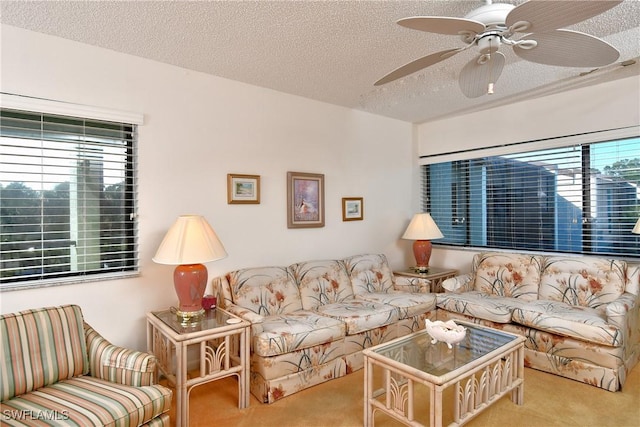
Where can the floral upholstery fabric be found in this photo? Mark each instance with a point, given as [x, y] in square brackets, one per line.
[480, 305]
[508, 275]
[308, 323]
[265, 290]
[585, 282]
[408, 305]
[284, 333]
[633, 278]
[360, 315]
[296, 361]
[322, 282]
[583, 323]
[369, 273]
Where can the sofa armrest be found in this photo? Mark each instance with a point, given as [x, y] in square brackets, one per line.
[458, 284]
[624, 313]
[411, 284]
[244, 313]
[118, 364]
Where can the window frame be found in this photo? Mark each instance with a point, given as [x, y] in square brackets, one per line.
[129, 122]
[585, 141]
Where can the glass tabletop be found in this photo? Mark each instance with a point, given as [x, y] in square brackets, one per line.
[438, 359]
[212, 319]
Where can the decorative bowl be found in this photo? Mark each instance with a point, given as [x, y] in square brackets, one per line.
[448, 332]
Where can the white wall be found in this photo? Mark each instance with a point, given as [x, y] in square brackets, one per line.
[611, 105]
[197, 129]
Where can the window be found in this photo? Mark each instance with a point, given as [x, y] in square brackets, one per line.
[67, 198]
[581, 199]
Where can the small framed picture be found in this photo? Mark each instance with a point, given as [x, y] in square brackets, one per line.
[243, 189]
[352, 209]
[305, 200]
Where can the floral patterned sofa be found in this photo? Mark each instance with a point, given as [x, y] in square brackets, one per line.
[311, 320]
[580, 315]
[57, 370]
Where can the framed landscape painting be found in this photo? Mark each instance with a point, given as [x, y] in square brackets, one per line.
[352, 209]
[243, 189]
[305, 200]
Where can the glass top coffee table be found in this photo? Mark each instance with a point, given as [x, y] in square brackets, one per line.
[483, 367]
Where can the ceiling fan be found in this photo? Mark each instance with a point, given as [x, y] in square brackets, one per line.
[532, 29]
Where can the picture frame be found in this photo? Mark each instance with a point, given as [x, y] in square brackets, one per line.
[243, 189]
[352, 209]
[305, 200]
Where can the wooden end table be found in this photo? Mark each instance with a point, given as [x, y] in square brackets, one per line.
[483, 367]
[435, 274]
[222, 342]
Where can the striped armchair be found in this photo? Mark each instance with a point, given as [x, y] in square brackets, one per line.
[56, 369]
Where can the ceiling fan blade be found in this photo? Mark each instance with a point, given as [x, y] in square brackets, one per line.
[443, 25]
[418, 65]
[551, 15]
[479, 73]
[567, 48]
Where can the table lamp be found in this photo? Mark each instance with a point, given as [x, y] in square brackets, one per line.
[188, 244]
[422, 229]
[636, 229]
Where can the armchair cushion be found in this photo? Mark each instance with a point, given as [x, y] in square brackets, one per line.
[91, 402]
[41, 347]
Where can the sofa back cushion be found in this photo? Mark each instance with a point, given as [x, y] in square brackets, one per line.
[322, 282]
[265, 290]
[582, 281]
[41, 347]
[369, 273]
[507, 274]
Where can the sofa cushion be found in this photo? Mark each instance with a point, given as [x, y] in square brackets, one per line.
[408, 304]
[582, 281]
[284, 333]
[507, 275]
[369, 273]
[360, 315]
[40, 347]
[265, 290]
[87, 401]
[322, 282]
[479, 305]
[583, 323]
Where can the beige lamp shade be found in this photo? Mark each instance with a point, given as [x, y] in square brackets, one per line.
[636, 229]
[190, 240]
[422, 227]
[188, 244]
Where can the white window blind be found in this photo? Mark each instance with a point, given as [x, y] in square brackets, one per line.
[580, 199]
[67, 198]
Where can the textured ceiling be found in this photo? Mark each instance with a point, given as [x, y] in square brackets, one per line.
[331, 51]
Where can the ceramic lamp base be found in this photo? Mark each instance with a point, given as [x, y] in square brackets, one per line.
[190, 281]
[422, 253]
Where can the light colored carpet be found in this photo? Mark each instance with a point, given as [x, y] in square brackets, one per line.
[549, 401]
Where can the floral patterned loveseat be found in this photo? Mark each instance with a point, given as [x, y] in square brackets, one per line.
[580, 315]
[311, 320]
